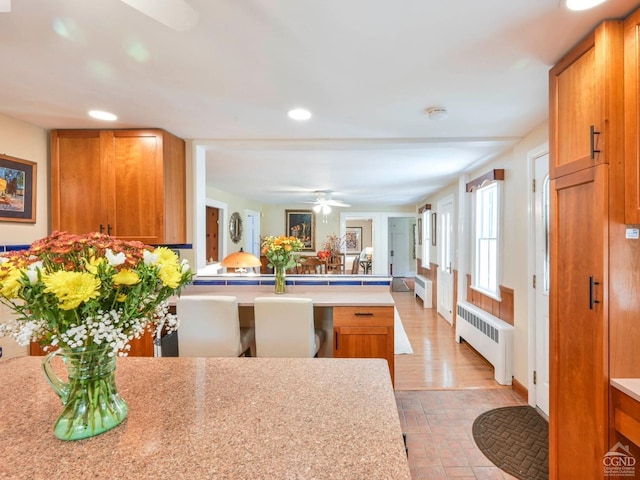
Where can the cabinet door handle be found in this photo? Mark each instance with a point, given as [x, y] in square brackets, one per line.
[101, 228]
[592, 300]
[336, 342]
[592, 137]
[363, 314]
[109, 229]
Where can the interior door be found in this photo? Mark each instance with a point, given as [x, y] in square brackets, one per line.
[212, 228]
[252, 242]
[444, 243]
[399, 247]
[541, 215]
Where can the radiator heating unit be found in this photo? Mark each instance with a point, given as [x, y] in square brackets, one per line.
[489, 336]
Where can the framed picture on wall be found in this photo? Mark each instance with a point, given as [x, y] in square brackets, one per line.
[420, 230]
[17, 190]
[353, 240]
[301, 224]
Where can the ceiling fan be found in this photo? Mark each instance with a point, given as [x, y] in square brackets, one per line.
[175, 14]
[324, 202]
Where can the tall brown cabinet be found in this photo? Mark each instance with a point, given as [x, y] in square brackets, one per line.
[586, 119]
[127, 183]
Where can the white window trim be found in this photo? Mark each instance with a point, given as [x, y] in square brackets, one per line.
[474, 286]
[425, 255]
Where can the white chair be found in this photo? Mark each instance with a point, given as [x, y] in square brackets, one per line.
[210, 327]
[284, 327]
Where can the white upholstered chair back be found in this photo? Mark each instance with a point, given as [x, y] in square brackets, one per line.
[284, 327]
[210, 327]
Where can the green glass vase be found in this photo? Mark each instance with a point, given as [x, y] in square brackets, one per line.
[281, 282]
[90, 398]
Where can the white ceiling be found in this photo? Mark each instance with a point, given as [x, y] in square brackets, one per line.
[367, 69]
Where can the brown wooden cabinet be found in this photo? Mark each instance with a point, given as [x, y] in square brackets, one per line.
[127, 183]
[632, 110]
[586, 153]
[364, 332]
[585, 89]
[578, 338]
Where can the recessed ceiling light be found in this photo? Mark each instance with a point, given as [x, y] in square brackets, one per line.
[299, 114]
[582, 4]
[100, 115]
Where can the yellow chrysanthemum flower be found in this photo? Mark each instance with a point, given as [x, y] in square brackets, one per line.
[170, 276]
[166, 256]
[121, 298]
[72, 288]
[126, 277]
[10, 286]
[93, 264]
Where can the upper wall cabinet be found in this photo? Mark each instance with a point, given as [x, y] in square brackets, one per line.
[126, 183]
[585, 95]
[632, 126]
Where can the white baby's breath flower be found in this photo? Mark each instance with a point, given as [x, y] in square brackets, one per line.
[115, 259]
[3, 259]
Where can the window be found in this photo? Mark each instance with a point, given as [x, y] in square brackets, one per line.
[486, 238]
[426, 238]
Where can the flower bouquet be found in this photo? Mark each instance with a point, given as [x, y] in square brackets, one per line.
[281, 253]
[87, 296]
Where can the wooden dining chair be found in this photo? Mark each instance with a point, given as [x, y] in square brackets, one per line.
[355, 267]
[311, 265]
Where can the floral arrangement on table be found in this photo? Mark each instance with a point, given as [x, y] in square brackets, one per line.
[324, 254]
[281, 253]
[334, 244]
[84, 298]
[76, 290]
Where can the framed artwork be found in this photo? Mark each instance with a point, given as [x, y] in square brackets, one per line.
[17, 190]
[434, 228]
[420, 230]
[353, 240]
[301, 224]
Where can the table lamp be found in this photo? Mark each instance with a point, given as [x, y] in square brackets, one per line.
[241, 261]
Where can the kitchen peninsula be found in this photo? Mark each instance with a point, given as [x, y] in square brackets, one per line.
[214, 418]
[357, 312]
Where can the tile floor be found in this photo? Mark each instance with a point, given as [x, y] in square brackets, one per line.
[438, 425]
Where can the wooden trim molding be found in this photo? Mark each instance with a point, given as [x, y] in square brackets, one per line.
[490, 176]
[520, 390]
[424, 208]
[503, 309]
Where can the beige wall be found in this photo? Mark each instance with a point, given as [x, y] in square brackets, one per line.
[27, 142]
[515, 232]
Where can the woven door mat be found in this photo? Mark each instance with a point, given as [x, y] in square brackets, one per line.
[516, 440]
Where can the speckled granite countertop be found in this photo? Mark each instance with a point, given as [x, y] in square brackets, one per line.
[214, 418]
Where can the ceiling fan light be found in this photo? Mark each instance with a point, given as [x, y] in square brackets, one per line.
[326, 209]
[583, 4]
[317, 208]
